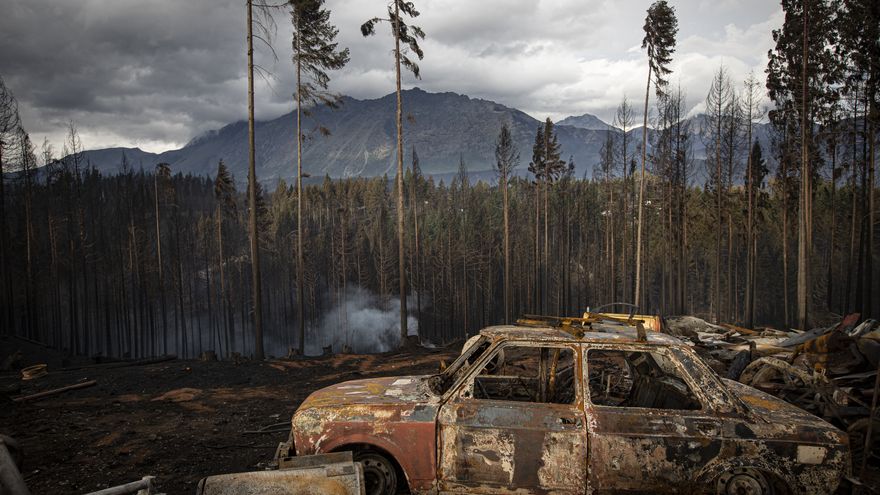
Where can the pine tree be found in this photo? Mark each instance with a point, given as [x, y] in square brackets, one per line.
[803, 74]
[506, 160]
[224, 194]
[661, 26]
[547, 166]
[409, 36]
[416, 265]
[314, 53]
[860, 30]
[537, 168]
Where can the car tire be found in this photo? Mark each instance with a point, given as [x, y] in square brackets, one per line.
[380, 475]
[743, 481]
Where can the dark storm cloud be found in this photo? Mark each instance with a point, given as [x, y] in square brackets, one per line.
[155, 74]
[142, 71]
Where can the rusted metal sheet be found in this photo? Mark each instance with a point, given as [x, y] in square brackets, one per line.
[143, 486]
[510, 447]
[311, 478]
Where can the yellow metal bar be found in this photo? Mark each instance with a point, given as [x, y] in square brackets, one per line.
[576, 325]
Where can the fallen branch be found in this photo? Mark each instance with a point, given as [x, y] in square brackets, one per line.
[31, 341]
[260, 432]
[237, 446]
[124, 364]
[55, 391]
[273, 428]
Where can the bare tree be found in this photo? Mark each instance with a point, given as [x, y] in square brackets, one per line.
[161, 175]
[606, 168]
[750, 102]
[718, 99]
[265, 26]
[624, 120]
[9, 124]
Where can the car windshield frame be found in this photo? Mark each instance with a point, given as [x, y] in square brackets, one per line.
[442, 382]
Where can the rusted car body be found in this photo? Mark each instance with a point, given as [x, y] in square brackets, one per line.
[533, 410]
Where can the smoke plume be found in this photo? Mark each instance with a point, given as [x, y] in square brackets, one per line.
[359, 322]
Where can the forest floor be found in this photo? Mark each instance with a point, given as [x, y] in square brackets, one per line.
[177, 420]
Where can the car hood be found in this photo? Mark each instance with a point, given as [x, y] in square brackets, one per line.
[775, 418]
[391, 390]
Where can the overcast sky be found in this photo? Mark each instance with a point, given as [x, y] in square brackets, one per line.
[154, 74]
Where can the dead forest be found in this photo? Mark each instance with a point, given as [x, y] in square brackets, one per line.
[149, 261]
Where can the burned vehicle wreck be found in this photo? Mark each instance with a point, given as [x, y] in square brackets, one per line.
[597, 406]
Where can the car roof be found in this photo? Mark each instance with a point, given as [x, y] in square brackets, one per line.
[597, 333]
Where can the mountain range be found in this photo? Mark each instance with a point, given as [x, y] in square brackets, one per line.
[444, 129]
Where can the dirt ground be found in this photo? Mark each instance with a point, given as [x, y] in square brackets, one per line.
[177, 420]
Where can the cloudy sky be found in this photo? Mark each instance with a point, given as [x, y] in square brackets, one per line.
[154, 74]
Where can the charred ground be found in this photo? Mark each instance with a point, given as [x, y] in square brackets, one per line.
[178, 420]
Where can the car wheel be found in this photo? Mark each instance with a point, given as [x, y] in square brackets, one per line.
[743, 481]
[380, 477]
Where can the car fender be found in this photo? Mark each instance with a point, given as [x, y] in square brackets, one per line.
[416, 471]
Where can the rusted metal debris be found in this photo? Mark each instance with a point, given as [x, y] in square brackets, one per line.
[332, 474]
[34, 372]
[143, 486]
[602, 409]
[831, 372]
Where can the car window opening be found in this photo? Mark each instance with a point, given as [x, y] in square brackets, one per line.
[528, 374]
[638, 379]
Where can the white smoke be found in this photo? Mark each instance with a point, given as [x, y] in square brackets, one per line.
[360, 322]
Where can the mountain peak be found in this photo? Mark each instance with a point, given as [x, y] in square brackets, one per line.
[585, 121]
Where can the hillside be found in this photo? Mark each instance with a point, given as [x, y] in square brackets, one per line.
[443, 127]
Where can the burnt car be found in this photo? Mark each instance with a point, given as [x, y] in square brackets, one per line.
[607, 408]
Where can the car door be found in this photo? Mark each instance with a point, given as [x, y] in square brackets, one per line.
[651, 428]
[509, 426]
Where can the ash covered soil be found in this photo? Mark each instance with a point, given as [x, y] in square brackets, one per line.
[178, 420]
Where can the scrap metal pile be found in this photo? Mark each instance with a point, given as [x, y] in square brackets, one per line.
[829, 371]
